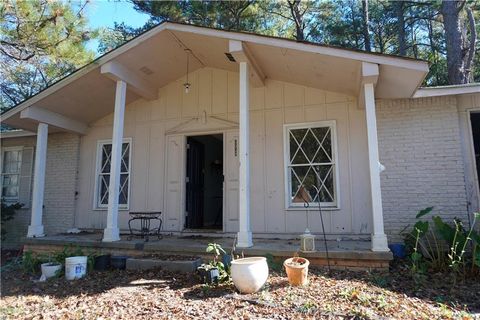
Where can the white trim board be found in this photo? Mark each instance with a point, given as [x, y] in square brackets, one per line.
[447, 90]
[16, 134]
[472, 152]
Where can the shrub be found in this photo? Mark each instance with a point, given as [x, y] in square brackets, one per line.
[443, 246]
[8, 213]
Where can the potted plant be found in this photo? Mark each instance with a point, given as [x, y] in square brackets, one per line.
[208, 273]
[213, 271]
[297, 270]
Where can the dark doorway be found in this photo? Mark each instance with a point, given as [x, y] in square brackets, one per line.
[475, 121]
[204, 182]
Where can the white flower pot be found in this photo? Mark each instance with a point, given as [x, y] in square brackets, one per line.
[249, 274]
[50, 269]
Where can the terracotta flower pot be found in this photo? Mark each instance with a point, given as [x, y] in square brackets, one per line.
[297, 270]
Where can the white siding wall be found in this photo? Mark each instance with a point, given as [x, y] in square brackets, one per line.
[421, 148]
[216, 92]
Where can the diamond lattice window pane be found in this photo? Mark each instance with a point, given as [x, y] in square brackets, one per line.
[324, 137]
[106, 158]
[104, 183]
[297, 155]
[124, 164]
[310, 145]
[123, 195]
[325, 185]
[298, 176]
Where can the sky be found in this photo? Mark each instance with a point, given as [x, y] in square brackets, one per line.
[103, 13]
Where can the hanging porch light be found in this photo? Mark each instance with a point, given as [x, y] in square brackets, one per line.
[187, 84]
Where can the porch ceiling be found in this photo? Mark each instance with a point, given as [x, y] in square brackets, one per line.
[89, 95]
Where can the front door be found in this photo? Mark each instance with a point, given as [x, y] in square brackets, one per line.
[204, 182]
[195, 183]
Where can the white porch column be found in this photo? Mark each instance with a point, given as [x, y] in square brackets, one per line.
[244, 238]
[35, 229]
[112, 232]
[379, 239]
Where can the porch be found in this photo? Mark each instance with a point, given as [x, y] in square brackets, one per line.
[139, 124]
[344, 254]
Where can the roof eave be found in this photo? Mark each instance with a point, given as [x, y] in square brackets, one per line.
[408, 63]
[447, 90]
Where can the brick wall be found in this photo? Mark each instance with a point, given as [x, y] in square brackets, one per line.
[60, 187]
[420, 146]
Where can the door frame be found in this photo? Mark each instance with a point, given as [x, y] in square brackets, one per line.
[471, 154]
[183, 177]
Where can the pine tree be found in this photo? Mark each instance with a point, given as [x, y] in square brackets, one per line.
[40, 42]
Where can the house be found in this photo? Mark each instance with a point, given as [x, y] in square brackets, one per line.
[241, 134]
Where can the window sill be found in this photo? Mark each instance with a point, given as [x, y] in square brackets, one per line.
[106, 209]
[312, 208]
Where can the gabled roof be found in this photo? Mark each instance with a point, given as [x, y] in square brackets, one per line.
[87, 95]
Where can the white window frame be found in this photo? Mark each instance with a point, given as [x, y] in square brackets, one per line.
[476, 183]
[289, 205]
[98, 159]
[7, 149]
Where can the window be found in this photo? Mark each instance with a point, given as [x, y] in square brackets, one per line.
[104, 159]
[311, 167]
[11, 166]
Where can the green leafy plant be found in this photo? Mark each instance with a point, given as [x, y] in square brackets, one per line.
[442, 246]
[458, 245]
[7, 213]
[216, 250]
[31, 262]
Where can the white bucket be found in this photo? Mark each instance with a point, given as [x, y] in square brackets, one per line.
[75, 267]
[50, 269]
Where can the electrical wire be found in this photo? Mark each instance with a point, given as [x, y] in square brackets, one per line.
[306, 204]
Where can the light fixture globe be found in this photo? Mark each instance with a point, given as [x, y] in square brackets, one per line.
[187, 86]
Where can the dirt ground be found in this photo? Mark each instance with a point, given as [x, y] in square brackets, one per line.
[160, 294]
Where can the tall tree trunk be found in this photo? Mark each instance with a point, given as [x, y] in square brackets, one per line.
[433, 46]
[453, 40]
[471, 48]
[297, 17]
[400, 13]
[366, 31]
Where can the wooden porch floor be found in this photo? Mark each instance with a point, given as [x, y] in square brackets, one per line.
[347, 254]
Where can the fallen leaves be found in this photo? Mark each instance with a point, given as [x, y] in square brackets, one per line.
[162, 294]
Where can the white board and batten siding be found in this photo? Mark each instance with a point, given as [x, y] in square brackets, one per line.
[158, 129]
